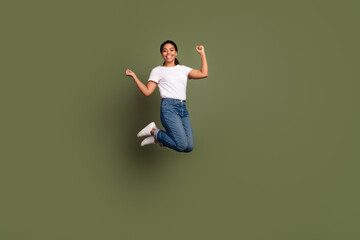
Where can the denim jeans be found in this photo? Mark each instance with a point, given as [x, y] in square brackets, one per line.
[176, 121]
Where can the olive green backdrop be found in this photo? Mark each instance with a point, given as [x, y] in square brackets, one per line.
[276, 122]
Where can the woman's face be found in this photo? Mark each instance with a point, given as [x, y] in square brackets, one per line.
[169, 53]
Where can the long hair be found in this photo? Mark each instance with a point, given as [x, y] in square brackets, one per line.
[172, 43]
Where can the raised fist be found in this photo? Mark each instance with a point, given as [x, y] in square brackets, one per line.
[129, 73]
[200, 49]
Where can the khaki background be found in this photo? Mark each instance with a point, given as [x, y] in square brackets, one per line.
[276, 122]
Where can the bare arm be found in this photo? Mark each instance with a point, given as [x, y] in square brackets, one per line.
[203, 73]
[148, 89]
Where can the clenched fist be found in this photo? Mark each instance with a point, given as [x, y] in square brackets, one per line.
[129, 73]
[200, 49]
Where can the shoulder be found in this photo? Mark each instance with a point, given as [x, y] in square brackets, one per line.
[184, 67]
[156, 69]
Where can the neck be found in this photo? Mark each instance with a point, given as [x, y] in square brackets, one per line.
[169, 65]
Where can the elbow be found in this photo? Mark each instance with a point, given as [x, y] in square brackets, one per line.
[205, 73]
[146, 94]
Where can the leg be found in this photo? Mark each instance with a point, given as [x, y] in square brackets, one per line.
[175, 136]
[188, 131]
[153, 133]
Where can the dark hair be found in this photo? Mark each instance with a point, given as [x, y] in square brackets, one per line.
[171, 42]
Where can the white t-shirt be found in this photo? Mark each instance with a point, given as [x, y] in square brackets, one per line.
[171, 80]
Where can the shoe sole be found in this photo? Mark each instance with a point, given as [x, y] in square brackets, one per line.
[144, 144]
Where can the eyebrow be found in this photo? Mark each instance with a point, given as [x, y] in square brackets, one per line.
[169, 48]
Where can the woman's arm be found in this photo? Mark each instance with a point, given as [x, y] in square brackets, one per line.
[146, 90]
[196, 74]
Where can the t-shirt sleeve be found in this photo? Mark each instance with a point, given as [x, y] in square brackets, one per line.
[154, 75]
[187, 70]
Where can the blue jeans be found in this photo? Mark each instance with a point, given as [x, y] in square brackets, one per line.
[176, 121]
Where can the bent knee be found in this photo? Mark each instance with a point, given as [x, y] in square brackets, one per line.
[181, 148]
[189, 148]
[184, 146]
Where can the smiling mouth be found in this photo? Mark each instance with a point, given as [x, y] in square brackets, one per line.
[169, 56]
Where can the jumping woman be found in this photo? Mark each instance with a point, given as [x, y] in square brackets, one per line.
[171, 78]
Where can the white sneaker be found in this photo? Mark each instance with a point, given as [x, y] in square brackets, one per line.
[146, 131]
[148, 140]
